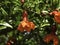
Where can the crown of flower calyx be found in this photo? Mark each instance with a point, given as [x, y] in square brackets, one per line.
[25, 15]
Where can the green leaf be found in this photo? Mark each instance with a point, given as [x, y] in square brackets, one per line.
[45, 25]
[2, 27]
[4, 12]
[6, 24]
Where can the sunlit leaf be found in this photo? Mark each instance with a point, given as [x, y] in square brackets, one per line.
[6, 24]
[4, 12]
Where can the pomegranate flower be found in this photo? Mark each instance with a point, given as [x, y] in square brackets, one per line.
[56, 16]
[22, 1]
[8, 43]
[26, 25]
[52, 36]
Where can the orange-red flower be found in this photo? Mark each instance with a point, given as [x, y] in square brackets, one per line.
[11, 41]
[22, 1]
[25, 24]
[56, 16]
[50, 37]
[8, 43]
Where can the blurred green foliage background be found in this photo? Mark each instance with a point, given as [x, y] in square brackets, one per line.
[11, 16]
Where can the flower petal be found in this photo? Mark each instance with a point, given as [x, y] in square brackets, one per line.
[55, 40]
[20, 28]
[23, 23]
[57, 19]
[28, 29]
[32, 25]
[47, 38]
